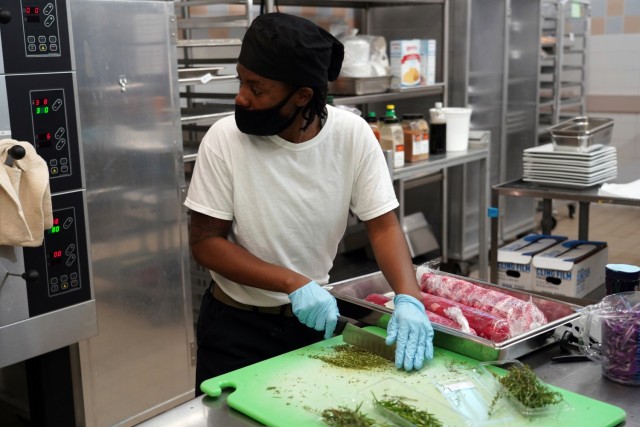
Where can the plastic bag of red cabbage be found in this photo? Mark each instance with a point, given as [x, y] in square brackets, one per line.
[610, 335]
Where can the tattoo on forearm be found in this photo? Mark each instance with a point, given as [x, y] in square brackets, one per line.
[204, 227]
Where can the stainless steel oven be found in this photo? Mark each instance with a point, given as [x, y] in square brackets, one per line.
[52, 305]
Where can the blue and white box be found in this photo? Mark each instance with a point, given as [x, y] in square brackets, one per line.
[428, 62]
[573, 268]
[514, 260]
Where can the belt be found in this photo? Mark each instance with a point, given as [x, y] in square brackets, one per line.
[219, 294]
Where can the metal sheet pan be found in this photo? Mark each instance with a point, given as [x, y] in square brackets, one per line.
[350, 295]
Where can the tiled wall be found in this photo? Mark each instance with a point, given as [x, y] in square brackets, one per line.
[615, 17]
[614, 77]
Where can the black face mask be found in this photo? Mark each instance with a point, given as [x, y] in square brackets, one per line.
[264, 122]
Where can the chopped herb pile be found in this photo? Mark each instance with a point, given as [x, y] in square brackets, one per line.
[407, 412]
[352, 357]
[527, 388]
[345, 417]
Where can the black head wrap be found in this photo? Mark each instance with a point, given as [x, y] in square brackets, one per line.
[291, 49]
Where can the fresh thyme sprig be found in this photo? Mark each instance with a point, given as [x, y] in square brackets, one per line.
[342, 416]
[526, 387]
[419, 418]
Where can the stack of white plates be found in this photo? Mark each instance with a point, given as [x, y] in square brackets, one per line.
[569, 169]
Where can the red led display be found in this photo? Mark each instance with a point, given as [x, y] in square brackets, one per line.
[40, 106]
[55, 257]
[32, 13]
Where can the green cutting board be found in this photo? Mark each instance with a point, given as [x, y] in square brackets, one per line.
[294, 388]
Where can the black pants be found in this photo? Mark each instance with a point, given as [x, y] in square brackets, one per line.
[230, 338]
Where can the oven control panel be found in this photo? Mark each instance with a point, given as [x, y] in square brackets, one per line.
[62, 261]
[35, 36]
[42, 111]
[41, 33]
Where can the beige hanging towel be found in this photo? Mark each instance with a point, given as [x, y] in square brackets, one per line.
[25, 197]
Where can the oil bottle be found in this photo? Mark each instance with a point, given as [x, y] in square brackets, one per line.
[372, 119]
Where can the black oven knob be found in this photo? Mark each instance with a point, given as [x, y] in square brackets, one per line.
[5, 16]
[29, 276]
[17, 152]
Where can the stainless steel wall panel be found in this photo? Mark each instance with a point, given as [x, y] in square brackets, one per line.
[477, 74]
[493, 70]
[522, 108]
[140, 363]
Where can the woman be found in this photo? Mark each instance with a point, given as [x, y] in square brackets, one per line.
[270, 196]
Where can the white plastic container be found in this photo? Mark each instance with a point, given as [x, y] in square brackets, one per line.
[458, 122]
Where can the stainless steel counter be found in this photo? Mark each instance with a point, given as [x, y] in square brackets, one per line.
[581, 377]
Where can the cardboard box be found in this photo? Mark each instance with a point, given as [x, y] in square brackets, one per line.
[428, 62]
[514, 260]
[573, 268]
[404, 59]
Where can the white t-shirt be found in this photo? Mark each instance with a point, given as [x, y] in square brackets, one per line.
[289, 203]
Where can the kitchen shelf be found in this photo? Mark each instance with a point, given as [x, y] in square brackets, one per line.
[195, 3]
[564, 57]
[209, 43]
[354, 4]
[202, 75]
[437, 89]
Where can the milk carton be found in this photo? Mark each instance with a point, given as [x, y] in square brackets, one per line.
[427, 62]
[514, 260]
[404, 59]
[573, 268]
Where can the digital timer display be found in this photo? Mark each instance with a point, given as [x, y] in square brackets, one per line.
[56, 226]
[32, 13]
[55, 257]
[41, 106]
[43, 140]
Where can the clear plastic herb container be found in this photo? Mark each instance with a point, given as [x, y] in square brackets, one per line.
[425, 398]
[473, 399]
[489, 372]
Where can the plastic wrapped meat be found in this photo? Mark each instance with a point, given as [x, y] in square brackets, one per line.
[387, 301]
[378, 299]
[486, 325]
[521, 315]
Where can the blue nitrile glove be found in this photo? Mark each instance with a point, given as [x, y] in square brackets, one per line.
[411, 330]
[315, 307]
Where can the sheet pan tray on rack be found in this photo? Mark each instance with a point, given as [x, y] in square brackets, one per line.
[350, 295]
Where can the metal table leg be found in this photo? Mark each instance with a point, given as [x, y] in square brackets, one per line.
[493, 267]
[583, 221]
[483, 184]
[547, 216]
[445, 213]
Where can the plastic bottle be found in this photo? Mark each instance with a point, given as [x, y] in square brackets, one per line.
[416, 137]
[391, 110]
[437, 130]
[392, 138]
[373, 123]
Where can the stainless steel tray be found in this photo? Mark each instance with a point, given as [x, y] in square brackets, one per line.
[359, 85]
[581, 134]
[350, 295]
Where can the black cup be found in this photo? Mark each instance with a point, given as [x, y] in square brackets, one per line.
[621, 278]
